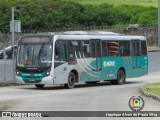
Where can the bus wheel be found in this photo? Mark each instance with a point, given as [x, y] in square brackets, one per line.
[71, 81]
[120, 78]
[39, 86]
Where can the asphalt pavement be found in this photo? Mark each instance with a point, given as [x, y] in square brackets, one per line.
[99, 97]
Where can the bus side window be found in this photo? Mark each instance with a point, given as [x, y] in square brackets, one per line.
[85, 49]
[78, 49]
[60, 51]
[124, 48]
[74, 48]
[143, 48]
[104, 48]
[113, 48]
[136, 48]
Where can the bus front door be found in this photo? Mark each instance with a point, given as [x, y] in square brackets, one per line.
[96, 62]
[136, 66]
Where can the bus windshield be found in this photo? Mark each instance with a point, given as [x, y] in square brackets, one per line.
[34, 55]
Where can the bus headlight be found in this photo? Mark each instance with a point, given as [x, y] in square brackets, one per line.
[17, 73]
[48, 73]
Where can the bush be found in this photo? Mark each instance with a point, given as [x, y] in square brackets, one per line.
[52, 14]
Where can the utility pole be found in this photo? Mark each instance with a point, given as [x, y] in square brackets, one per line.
[15, 26]
[158, 23]
[4, 57]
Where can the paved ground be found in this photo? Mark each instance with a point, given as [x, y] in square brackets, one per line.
[6, 67]
[100, 97]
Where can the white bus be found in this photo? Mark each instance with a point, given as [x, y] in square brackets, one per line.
[72, 57]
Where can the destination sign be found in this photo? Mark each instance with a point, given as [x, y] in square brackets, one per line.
[35, 39]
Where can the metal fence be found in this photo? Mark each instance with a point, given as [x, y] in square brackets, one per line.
[149, 31]
[6, 67]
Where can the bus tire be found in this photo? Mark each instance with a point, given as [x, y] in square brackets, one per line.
[40, 86]
[71, 81]
[120, 78]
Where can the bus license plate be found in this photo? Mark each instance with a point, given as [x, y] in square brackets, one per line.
[32, 80]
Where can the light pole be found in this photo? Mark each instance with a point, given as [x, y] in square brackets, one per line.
[13, 44]
[15, 26]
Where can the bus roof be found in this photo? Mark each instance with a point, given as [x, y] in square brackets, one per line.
[90, 33]
[84, 35]
[99, 37]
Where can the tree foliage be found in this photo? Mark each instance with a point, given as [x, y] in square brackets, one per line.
[51, 14]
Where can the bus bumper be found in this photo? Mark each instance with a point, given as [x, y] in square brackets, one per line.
[19, 80]
[48, 80]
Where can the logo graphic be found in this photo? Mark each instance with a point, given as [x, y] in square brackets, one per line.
[136, 103]
[104, 64]
[6, 114]
[109, 63]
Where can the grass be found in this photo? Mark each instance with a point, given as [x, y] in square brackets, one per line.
[118, 2]
[153, 88]
[7, 104]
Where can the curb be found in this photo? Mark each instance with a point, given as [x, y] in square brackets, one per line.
[150, 94]
[153, 50]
